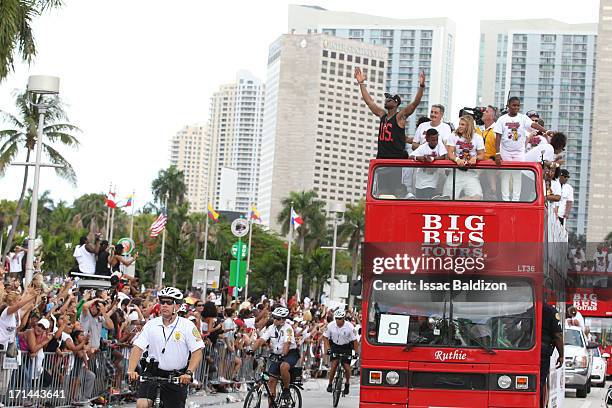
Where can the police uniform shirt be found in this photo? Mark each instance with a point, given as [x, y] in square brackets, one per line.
[551, 326]
[279, 336]
[341, 336]
[177, 340]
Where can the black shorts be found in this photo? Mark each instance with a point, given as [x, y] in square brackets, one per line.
[291, 358]
[342, 349]
[172, 395]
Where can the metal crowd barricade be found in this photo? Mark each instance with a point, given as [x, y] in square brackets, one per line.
[222, 366]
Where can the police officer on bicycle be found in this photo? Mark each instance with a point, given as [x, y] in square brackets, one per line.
[282, 343]
[340, 338]
[174, 347]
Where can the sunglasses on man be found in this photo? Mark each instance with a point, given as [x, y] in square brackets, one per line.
[166, 302]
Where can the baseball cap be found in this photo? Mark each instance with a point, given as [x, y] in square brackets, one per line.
[564, 173]
[396, 97]
[44, 323]
[532, 113]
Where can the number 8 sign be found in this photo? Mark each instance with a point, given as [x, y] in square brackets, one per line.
[393, 329]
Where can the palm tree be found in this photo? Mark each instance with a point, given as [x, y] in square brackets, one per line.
[22, 136]
[91, 209]
[352, 231]
[311, 209]
[317, 267]
[16, 34]
[171, 183]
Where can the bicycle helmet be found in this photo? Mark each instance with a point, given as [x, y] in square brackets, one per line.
[183, 308]
[339, 314]
[170, 292]
[281, 312]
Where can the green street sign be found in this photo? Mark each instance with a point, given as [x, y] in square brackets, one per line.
[243, 251]
[238, 274]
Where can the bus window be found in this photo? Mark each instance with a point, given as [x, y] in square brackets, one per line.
[450, 183]
[499, 316]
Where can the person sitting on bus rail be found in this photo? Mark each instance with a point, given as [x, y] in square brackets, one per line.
[465, 147]
[340, 338]
[426, 182]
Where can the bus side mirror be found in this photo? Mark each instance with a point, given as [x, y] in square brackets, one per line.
[605, 355]
[356, 287]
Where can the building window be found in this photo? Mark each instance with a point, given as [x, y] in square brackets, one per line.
[325, 53]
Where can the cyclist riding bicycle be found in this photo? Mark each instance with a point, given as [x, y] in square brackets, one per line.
[282, 344]
[340, 338]
[174, 347]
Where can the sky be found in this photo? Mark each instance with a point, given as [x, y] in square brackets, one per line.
[135, 72]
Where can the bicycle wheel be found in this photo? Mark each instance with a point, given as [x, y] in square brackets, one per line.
[337, 390]
[296, 396]
[253, 399]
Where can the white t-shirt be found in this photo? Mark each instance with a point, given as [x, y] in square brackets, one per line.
[176, 341]
[444, 132]
[535, 154]
[86, 260]
[513, 130]
[460, 144]
[16, 262]
[341, 335]
[567, 194]
[428, 178]
[8, 327]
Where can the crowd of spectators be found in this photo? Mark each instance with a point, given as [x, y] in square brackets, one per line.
[73, 327]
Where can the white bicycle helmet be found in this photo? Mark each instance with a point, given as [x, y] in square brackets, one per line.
[339, 314]
[281, 312]
[170, 292]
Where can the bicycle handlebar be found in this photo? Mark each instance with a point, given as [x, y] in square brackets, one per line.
[171, 379]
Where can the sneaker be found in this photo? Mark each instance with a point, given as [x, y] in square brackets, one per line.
[329, 388]
[286, 395]
[346, 389]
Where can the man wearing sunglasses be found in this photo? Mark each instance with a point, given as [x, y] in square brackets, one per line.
[340, 338]
[169, 340]
[282, 343]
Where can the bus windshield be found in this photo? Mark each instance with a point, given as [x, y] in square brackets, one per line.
[452, 183]
[458, 311]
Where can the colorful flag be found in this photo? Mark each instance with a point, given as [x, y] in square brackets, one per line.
[255, 214]
[296, 220]
[212, 214]
[127, 202]
[159, 224]
[110, 200]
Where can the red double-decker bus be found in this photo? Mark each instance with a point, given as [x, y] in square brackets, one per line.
[453, 284]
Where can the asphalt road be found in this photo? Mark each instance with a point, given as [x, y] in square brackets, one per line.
[316, 397]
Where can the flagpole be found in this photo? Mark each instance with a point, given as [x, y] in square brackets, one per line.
[206, 235]
[163, 248]
[289, 256]
[248, 265]
[112, 226]
[108, 214]
[132, 217]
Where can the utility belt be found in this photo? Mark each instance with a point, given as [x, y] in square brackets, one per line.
[152, 368]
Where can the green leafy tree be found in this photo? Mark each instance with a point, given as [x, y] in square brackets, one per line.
[21, 137]
[16, 35]
[351, 232]
[169, 182]
[92, 210]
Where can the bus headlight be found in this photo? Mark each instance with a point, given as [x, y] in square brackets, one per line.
[504, 382]
[392, 377]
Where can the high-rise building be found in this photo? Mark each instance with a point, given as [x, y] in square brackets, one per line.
[550, 65]
[318, 133]
[236, 118]
[189, 152]
[600, 194]
[413, 45]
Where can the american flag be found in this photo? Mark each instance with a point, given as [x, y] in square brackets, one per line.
[159, 224]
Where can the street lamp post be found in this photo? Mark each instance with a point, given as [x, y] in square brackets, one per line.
[334, 208]
[38, 85]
